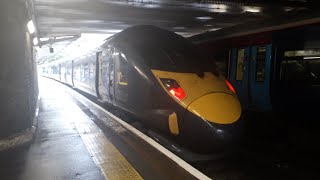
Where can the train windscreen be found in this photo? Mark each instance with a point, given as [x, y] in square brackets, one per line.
[168, 51]
[177, 56]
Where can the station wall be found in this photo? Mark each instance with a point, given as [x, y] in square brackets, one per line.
[18, 72]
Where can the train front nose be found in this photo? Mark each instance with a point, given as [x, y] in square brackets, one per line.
[212, 122]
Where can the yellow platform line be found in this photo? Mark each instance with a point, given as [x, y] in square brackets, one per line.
[111, 162]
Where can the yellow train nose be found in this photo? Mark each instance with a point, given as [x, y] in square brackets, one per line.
[220, 108]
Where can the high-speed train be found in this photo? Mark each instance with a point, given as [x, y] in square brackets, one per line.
[162, 79]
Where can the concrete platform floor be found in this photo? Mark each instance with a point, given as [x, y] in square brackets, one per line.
[75, 141]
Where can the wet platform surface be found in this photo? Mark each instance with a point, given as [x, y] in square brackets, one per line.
[76, 141]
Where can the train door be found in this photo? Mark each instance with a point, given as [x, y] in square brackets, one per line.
[259, 77]
[111, 73]
[99, 74]
[103, 73]
[239, 73]
[59, 77]
[250, 75]
[63, 72]
[121, 78]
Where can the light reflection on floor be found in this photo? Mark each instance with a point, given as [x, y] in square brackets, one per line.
[106, 156]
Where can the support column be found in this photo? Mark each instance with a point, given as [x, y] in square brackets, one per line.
[18, 77]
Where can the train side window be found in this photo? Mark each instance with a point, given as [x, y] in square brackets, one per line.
[68, 69]
[261, 63]
[302, 66]
[85, 71]
[240, 64]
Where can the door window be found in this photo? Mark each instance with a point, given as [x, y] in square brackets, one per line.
[105, 60]
[261, 63]
[122, 73]
[240, 64]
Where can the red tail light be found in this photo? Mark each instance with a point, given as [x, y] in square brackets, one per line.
[230, 87]
[174, 88]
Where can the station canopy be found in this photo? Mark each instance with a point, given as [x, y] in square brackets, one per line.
[56, 18]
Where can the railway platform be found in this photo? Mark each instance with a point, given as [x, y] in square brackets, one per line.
[75, 139]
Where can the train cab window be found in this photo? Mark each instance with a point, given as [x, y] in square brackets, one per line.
[156, 59]
[301, 66]
[261, 63]
[240, 64]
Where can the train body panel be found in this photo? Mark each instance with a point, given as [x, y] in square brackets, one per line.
[272, 71]
[84, 74]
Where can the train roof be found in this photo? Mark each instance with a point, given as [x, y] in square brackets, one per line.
[145, 35]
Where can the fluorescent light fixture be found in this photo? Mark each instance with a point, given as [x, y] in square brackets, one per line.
[252, 9]
[35, 41]
[218, 8]
[214, 29]
[315, 57]
[31, 27]
[204, 18]
[62, 37]
[44, 39]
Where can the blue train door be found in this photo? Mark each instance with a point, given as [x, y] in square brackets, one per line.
[260, 65]
[112, 79]
[250, 75]
[239, 74]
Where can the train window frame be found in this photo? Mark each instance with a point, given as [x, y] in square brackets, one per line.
[264, 63]
[238, 67]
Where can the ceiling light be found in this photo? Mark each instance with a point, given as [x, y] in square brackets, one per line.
[251, 9]
[214, 29]
[218, 8]
[204, 18]
[35, 41]
[31, 27]
[44, 39]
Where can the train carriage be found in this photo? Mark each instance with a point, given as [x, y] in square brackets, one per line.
[166, 82]
[272, 69]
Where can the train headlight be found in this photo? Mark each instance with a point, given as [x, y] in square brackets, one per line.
[173, 88]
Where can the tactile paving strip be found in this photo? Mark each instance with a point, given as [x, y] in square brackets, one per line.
[110, 160]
